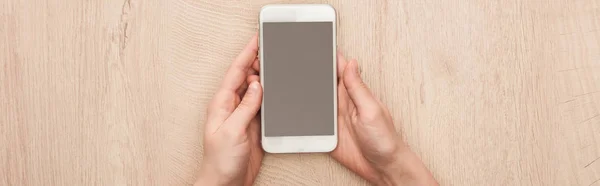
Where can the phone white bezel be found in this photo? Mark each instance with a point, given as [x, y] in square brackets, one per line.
[299, 13]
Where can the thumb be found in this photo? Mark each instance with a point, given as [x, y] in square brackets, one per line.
[357, 89]
[248, 108]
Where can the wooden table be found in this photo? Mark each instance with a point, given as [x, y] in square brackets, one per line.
[114, 92]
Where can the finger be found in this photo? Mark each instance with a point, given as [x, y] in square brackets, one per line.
[253, 78]
[254, 130]
[248, 108]
[242, 90]
[256, 65]
[236, 74]
[341, 64]
[244, 87]
[343, 99]
[254, 69]
[357, 89]
[222, 105]
[251, 72]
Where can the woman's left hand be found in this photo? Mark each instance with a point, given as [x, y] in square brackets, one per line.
[232, 150]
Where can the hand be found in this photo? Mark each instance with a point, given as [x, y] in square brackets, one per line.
[232, 152]
[368, 143]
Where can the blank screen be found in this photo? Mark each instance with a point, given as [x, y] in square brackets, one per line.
[298, 78]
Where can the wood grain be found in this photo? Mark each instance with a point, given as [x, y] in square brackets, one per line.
[114, 92]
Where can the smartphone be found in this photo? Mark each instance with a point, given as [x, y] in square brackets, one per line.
[298, 74]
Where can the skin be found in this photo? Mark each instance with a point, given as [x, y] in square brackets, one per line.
[368, 144]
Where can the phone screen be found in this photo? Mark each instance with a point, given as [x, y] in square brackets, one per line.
[298, 78]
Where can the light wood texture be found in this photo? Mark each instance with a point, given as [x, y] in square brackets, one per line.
[114, 92]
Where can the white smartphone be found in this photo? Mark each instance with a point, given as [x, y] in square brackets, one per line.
[298, 74]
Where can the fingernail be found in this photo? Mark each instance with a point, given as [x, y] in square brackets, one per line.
[253, 87]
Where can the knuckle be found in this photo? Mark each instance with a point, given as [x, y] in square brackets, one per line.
[247, 104]
[388, 148]
[231, 134]
[372, 116]
[359, 85]
[362, 85]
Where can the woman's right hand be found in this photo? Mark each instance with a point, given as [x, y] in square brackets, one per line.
[368, 143]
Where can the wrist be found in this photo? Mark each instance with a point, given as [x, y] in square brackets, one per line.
[406, 169]
[209, 176]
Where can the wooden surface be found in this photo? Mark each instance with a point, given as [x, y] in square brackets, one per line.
[114, 92]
